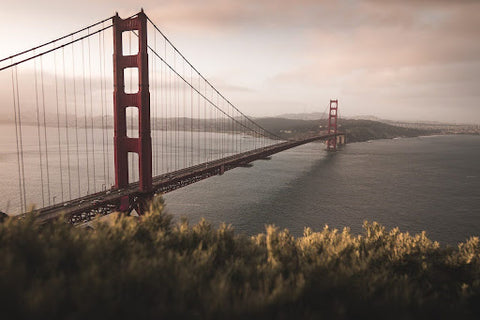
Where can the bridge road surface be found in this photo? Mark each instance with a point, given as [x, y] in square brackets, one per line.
[166, 182]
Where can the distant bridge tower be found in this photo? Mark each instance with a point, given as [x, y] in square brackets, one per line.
[332, 125]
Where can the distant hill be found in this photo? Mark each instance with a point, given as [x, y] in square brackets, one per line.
[304, 116]
[356, 130]
[364, 130]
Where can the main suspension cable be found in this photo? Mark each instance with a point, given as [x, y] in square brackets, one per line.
[56, 48]
[55, 40]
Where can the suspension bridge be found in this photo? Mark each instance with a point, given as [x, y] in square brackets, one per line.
[73, 150]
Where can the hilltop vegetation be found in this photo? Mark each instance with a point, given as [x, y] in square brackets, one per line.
[364, 130]
[155, 268]
[357, 130]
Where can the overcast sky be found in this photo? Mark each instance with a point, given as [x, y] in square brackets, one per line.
[403, 60]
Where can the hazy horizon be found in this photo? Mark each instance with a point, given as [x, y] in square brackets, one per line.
[408, 61]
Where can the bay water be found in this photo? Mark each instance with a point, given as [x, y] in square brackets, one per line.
[425, 183]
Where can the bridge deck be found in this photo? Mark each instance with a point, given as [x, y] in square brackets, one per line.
[101, 202]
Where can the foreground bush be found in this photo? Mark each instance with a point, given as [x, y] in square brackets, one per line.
[154, 268]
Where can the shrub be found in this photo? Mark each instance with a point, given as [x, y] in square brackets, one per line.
[153, 267]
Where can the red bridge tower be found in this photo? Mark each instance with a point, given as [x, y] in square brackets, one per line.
[141, 100]
[332, 125]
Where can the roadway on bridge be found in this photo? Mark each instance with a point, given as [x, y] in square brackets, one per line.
[105, 202]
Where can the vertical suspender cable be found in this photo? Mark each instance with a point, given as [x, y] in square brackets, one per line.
[199, 132]
[15, 102]
[205, 122]
[85, 126]
[105, 103]
[76, 119]
[154, 107]
[214, 133]
[163, 110]
[174, 118]
[21, 139]
[91, 112]
[210, 122]
[66, 123]
[230, 143]
[170, 111]
[179, 110]
[218, 132]
[175, 83]
[45, 129]
[38, 132]
[222, 135]
[102, 105]
[233, 133]
[58, 129]
[191, 118]
[184, 118]
[168, 114]
[162, 114]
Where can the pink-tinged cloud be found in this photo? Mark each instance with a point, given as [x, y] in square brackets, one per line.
[273, 56]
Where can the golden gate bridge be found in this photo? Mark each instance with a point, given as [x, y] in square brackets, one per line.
[77, 152]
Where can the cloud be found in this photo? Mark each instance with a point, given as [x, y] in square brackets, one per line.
[273, 56]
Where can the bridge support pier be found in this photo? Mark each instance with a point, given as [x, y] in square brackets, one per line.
[141, 100]
[142, 204]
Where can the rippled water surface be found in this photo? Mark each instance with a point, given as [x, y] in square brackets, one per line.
[425, 183]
